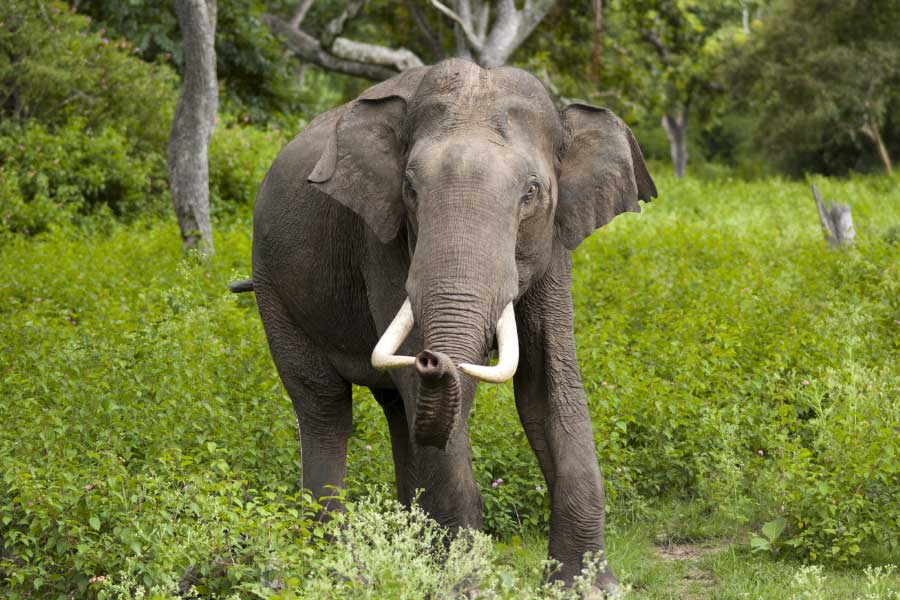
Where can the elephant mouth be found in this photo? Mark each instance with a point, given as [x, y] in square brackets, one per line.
[384, 356]
[440, 389]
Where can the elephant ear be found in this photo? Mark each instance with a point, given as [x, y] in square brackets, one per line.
[602, 173]
[361, 165]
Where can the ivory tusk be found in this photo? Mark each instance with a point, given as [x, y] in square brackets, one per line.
[383, 356]
[507, 347]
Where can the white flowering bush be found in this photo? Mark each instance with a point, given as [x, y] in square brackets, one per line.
[383, 550]
[809, 583]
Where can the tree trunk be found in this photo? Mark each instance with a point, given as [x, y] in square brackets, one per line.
[885, 157]
[675, 124]
[598, 38]
[873, 132]
[195, 119]
[836, 220]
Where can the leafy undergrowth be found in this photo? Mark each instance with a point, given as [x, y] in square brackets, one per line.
[733, 364]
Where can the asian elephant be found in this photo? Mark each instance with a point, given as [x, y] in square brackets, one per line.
[400, 236]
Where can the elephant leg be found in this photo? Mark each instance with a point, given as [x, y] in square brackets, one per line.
[444, 479]
[325, 424]
[532, 408]
[322, 399]
[449, 493]
[553, 409]
[392, 404]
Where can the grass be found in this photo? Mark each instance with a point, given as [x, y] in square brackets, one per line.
[662, 559]
[738, 372]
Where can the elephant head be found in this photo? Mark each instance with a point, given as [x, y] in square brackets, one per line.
[485, 175]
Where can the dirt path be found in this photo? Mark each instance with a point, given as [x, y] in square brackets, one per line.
[696, 583]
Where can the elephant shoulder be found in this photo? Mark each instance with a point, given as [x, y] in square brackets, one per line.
[286, 204]
[285, 182]
[302, 153]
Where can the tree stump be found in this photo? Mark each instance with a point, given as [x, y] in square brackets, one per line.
[837, 222]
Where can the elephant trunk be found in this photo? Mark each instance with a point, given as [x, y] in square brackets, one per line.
[455, 328]
[439, 398]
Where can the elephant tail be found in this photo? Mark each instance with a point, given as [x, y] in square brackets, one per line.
[241, 286]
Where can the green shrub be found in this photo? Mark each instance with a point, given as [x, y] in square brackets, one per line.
[837, 476]
[61, 174]
[54, 68]
[54, 176]
[165, 527]
[85, 120]
[239, 156]
[809, 583]
[706, 328]
[145, 459]
[387, 552]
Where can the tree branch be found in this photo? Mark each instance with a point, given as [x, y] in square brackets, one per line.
[336, 26]
[429, 37]
[400, 58]
[309, 49]
[466, 25]
[872, 131]
[656, 42]
[558, 99]
[511, 27]
[300, 13]
[463, 49]
[532, 14]
[481, 18]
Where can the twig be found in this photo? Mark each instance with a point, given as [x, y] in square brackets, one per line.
[429, 37]
[473, 40]
[656, 42]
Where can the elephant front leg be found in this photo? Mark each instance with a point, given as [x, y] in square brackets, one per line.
[577, 509]
[553, 408]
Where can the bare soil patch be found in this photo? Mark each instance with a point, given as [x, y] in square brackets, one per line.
[688, 551]
[696, 583]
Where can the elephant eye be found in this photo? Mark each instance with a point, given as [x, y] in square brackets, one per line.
[533, 189]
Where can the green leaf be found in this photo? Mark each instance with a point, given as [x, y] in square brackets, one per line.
[95, 523]
[772, 530]
[758, 544]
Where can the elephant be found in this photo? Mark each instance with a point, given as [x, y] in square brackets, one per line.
[401, 237]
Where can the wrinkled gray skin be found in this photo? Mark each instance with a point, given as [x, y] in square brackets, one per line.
[463, 189]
